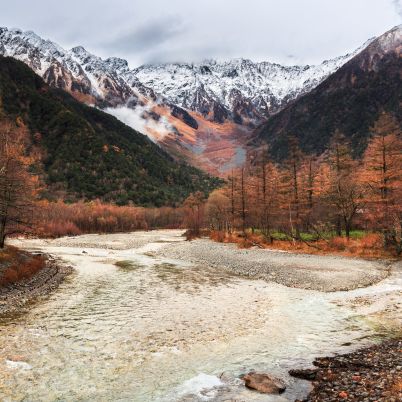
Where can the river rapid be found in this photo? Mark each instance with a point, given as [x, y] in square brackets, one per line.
[132, 325]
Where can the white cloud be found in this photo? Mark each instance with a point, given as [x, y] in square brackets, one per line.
[398, 6]
[136, 119]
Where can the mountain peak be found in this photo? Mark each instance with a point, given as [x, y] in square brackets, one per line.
[391, 40]
[204, 87]
[81, 53]
[117, 64]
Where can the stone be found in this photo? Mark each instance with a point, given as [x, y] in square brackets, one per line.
[307, 374]
[264, 383]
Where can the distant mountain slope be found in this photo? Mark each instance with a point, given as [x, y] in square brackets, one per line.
[349, 100]
[88, 153]
[238, 90]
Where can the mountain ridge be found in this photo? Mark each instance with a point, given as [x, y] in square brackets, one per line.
[239, 90]
[350, 101]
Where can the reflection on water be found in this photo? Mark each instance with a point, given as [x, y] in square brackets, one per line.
[132, 326]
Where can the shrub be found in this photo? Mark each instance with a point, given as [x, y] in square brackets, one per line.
[338, 243]
[23, 268]
[371, 240]
[217, 236]
[10, 276]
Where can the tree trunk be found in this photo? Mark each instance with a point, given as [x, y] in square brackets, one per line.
[347, 229]
[243, 203]
[3, 223]
[338, 226]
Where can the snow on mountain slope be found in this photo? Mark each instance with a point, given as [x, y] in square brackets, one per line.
[75, 70]
[265, 86]
[239, 90]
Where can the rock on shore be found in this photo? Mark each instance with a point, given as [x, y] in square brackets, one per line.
[367, 375]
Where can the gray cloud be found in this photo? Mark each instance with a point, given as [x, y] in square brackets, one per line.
[182, 30]
[398, 6]
[150, 35]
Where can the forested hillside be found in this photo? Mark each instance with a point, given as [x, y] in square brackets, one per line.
[349, 101]
[88, 154]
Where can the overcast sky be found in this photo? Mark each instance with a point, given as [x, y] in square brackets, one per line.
[146, 31]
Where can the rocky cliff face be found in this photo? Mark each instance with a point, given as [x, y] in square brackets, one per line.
[240, 89]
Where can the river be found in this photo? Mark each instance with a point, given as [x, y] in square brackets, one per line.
[153, 328]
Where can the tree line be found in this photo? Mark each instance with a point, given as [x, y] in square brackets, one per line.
[308, 198]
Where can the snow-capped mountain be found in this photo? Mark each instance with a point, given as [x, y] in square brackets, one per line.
[237, 90]
[202, 112]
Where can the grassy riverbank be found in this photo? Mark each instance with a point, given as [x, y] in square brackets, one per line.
[360, 244]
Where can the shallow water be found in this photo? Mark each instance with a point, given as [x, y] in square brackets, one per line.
[152, 329]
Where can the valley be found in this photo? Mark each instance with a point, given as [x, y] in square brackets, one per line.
[200, 208]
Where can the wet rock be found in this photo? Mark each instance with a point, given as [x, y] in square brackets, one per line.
[307, 374]
[264, 383]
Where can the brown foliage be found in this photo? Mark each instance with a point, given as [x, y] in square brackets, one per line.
[20, 266]
[369, 246]
[17, 186]
[56, 219]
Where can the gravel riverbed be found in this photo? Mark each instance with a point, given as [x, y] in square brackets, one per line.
[314, 272]
[175, 313]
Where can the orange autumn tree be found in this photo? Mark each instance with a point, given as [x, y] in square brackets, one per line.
[16, 184]
[291, 198]
[267, 202]
[194, 212]
[345, 193]
[382, 175]
[218, 210]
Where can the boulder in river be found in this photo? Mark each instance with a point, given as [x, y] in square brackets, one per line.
[264, 383]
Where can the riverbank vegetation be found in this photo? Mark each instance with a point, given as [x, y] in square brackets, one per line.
[16, 265]
[56, 219]
[317, 203]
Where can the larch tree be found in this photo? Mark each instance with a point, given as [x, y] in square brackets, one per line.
[291, 191]
[268, 178]
[243, 195]
[16, 184]
[382, 175]
[345, 194]
[218, 210]
[194, 206]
